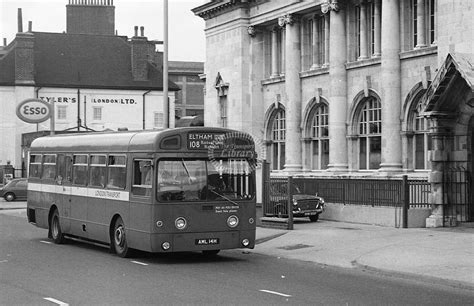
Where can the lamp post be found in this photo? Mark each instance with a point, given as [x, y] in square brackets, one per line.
[166, 110]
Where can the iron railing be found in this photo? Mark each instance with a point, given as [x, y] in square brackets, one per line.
[404, 193]
[457, 182]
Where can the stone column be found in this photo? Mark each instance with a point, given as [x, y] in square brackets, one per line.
[283, 51]
[274, 55]
[363, 31]
[438, 156]
[316, 42]
[338, 89]
[420, 24]
[391, 87]
[293, 149]
[377, 21]
[326, 40]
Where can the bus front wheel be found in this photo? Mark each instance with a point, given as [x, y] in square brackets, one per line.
[119, 239]
[55, 228]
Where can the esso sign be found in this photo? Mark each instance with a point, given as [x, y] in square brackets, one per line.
[33, 111]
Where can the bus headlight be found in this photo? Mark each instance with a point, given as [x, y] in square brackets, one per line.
[232, 221]
[165, 245]
[251, 220]
[159, 223]
[180, 223]
[245, 242]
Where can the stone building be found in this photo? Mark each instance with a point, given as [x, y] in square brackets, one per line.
[189, 100]
[372, 88]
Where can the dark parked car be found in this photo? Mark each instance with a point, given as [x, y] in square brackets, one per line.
[304, 205]
[16, 189]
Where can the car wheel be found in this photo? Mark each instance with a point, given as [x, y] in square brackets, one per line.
[9, 197]
[119, 239]
[55, 228]
[210, 252]
[314, 218]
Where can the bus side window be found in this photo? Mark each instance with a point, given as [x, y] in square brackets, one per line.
[142, 177]
[79, 170]
[64, 163]
[49, 167]
[117, 172]
[98, 170]
[35, 165]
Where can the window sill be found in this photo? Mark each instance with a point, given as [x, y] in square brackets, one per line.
[273, 80]
[364, 63]
[314, 72]
[419, 52]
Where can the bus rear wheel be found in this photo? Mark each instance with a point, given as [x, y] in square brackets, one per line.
[55, 228]
[119, 239]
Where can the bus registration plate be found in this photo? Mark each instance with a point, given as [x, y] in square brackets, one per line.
[207, 241]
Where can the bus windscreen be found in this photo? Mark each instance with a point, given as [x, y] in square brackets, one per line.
[203, 180]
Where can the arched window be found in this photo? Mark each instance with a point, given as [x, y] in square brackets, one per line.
[370, 129]
[422, 141]
[278, 130]
[319, 133]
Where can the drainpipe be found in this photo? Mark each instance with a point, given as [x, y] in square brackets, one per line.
[37, 97]
[85, 106]
[78, 111]
[146, 92]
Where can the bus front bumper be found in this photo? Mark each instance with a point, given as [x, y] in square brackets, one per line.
[190, 242]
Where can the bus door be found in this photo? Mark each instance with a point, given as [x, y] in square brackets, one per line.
[63, 190]
[141, 198]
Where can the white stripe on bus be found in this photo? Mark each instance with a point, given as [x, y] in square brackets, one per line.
[110, 194]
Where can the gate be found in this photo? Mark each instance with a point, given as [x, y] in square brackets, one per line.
[457, 195]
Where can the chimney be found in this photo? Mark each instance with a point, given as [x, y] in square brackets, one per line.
[20, 21]
[140, 54]
[24, 59]
[4, 42]
[95, 17]
[30, 26]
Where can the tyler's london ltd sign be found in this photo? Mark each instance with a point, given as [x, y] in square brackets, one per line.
[108, 100]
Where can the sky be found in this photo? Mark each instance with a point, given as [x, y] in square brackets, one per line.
[186, 40]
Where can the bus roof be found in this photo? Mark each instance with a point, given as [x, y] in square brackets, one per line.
[128, 141]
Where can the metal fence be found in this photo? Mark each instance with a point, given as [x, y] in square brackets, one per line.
[370, 192]
[404, 193]
[457, 182]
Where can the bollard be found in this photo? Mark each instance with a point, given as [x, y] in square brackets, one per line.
[406, 202]
[290, 203]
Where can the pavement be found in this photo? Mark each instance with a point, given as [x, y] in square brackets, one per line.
[437, 255]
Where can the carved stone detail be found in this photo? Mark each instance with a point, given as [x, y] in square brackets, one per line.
[251, 30]
[287, 19]
[330, 5]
